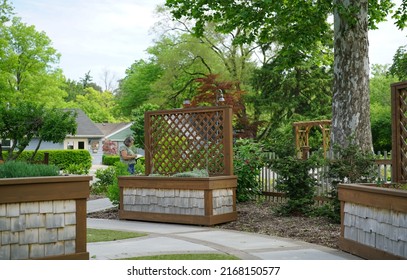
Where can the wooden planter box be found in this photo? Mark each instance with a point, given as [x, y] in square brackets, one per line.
[199, 201]
[373, 221]
[43, 218]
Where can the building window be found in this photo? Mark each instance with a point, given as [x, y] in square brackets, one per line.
[81, 145]
[70, 146]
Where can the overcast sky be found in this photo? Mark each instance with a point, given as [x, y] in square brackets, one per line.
[109, 35]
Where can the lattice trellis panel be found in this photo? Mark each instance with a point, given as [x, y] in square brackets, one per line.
[186, 139]
[399, 132]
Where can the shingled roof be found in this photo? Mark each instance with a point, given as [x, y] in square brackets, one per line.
[86, 128]
[111, 128]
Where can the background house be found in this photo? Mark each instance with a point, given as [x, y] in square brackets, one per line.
[117, 132]
[88, 137]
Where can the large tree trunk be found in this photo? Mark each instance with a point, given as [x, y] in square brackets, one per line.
[351, 102]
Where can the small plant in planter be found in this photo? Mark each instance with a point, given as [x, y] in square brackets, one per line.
[395, 186]
[16, 169]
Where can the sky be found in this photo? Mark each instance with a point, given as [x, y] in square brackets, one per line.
[93, 35]
[110, 35]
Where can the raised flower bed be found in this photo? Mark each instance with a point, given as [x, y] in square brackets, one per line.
[43, 217]
[177, 142]
[200, 201]
[373, 221]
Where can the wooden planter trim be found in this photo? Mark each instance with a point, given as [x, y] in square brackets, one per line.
[44, 188]
[207, 183]
[377, 197]
[365, 251]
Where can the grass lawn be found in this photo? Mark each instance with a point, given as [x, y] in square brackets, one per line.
[187, 257]
[99, 235]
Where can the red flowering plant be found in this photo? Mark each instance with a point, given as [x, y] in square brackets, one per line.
[109, 147]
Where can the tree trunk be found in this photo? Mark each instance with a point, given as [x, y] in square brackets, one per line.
[351, 101]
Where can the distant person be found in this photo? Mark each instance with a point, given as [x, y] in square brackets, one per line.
[127, 155]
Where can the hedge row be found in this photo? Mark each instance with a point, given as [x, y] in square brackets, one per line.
[61, 158]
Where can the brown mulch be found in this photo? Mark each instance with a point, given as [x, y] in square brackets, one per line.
[260, 218]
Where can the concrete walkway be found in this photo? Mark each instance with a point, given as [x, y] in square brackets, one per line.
[174, 238]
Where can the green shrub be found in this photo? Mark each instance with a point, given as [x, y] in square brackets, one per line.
[77, 169]
[350, 165]
[110, 159]
[296, 181]
[104, 178]
[140, 166]
[60, 158]
[247, 163]
[16, 169]
[113, 191]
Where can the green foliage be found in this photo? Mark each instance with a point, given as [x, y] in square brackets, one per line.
[197, 173]
[296, 181]
[139, 168]
[98, 106]
[16, 169]
[25, 121]
[380, 119]
[281, 140]
[20, 124]
[248, 160]
[27, 63]
[102, 235]
[138, 123]
[61, 158]
[350, 165]
[136, 87]
[113, 191]
[104, 178]
[77, 169]
[399, 66]
[304, 91]
[380, 107]
[110, 159]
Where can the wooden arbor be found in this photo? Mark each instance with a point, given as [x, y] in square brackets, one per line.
[302, 129]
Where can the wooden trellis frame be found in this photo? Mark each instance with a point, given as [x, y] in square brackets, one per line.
[399, 131]
[181, 140]
[302, 129]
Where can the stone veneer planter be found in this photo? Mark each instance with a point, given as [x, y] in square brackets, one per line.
[43, 217]
[373, 221]
[199, 201]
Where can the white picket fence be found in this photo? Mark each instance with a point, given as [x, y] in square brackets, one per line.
[268, 177]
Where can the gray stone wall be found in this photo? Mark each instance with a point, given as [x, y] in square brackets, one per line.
[32, 230]
[174, 201]
[382, 229]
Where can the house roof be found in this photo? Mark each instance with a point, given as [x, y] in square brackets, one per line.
[114, 131]
[86, 128]
[111, 128]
